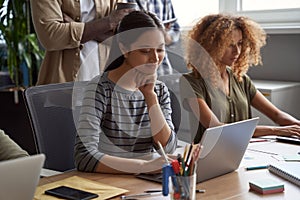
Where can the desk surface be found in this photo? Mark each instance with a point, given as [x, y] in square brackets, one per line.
[234, 185]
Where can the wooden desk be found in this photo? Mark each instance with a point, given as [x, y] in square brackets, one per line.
[234, 185]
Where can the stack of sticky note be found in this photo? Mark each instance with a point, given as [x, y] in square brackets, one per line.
[266, 186]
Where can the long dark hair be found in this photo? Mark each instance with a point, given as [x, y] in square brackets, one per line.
[136, 20]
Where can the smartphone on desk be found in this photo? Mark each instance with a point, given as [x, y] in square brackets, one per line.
[70, 193]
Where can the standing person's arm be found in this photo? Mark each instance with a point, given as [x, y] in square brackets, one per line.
[101, 29]
[172, 30]
[172, 33]
[56, 34]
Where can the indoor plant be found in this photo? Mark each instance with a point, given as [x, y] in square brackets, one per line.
[22, 59]
[23, 52]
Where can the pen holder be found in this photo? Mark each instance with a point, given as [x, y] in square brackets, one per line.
[182, 187]
[179, 187]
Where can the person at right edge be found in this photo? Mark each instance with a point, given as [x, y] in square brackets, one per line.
[220, 50]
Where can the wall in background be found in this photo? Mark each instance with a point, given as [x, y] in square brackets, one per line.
[281, 59]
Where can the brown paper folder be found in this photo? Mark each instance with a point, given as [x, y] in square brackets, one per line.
[103, 190]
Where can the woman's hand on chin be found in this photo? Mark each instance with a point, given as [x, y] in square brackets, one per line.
[145, 82]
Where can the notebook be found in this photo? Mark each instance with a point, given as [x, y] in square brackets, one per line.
[20, 177]
[223, 149]
[287, 170]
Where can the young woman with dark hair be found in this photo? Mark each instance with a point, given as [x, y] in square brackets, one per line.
[126, 112]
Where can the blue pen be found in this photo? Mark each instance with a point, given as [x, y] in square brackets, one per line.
[257, 167]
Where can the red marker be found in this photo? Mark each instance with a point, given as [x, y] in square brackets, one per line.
[176, 167]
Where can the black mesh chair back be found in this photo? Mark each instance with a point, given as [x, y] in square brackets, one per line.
[52, 112]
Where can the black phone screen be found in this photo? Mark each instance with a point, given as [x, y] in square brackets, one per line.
[70, 193]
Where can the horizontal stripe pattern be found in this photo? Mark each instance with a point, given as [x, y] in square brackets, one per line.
[115, 121]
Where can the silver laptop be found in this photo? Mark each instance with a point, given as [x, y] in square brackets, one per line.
[223, 148]
[20, 177]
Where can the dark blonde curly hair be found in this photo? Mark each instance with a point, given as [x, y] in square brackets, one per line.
[211, 36]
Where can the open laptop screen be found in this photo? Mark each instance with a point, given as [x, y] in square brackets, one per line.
[20, 177]
[223, 148]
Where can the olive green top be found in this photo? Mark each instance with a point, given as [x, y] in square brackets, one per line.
[228, 108]
[9, 149]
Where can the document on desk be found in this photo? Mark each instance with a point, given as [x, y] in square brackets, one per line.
[103, 190]
[289, 171]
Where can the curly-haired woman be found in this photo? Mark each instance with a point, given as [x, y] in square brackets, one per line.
[220, 50]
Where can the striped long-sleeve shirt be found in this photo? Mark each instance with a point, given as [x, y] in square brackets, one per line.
[115, 121]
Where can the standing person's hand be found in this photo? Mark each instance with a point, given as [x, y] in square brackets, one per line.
[67, 18]
[116, 16]
[101, 29]
[167, 26]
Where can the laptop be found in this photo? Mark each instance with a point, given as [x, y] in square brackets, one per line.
[289, 140]
[20, 177]
[223, 149]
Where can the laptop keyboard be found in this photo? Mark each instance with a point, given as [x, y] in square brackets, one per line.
[151, 177]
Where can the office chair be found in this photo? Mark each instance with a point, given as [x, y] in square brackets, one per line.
[172, 82]
[50, 109]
